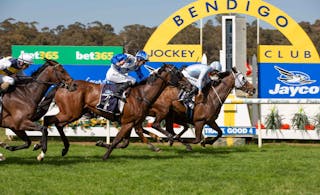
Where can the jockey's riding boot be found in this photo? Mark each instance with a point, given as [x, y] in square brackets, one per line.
[188, 98]
[4, 87]
[121, 89]
[100, 106]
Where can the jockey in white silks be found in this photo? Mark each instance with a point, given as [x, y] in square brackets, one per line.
[10, 66]
[199, 76]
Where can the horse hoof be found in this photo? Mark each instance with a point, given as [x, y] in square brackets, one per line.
[188, 148]
[2, 158]
[10, 148]
[99, 143]
[64, 152]
[157, 150]
[40, 157]
[36, 147]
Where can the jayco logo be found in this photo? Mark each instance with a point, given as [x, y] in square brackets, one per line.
[295, 81]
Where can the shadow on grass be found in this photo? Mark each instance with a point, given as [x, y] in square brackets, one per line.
[141, 152]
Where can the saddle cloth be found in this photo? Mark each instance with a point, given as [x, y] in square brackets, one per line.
[110, 103]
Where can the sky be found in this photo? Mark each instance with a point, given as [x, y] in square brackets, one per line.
[119, 13]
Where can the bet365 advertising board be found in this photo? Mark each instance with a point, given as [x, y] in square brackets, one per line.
[88, 63]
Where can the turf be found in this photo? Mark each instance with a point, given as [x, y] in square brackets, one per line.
[273, 169]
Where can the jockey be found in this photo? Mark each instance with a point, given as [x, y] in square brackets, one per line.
[121, 65]
[10, 66]
[199, 76]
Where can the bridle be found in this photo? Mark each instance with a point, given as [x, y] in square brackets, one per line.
[171, 70]
[175, 74]
[61, 81]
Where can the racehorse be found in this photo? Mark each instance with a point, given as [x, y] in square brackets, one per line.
[206, 110]
[73, 105]
[19, 104]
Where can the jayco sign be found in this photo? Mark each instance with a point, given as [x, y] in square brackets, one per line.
[289, 80]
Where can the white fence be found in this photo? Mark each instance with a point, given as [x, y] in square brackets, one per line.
[110, 131]
[271, 101]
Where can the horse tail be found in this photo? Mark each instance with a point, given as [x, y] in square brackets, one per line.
[44, 105]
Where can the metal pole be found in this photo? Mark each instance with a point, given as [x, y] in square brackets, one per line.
[201, 37]
[258, 31]
[259, 135]
[108, 132]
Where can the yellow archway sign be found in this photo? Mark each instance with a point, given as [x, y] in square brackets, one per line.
[301, 50]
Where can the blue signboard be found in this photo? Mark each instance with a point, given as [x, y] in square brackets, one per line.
[282, 80]
[97, 73]
[230, 131]
[91, 73]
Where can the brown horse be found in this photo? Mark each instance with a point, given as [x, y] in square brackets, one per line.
[73, 105]
[206, 111]
[20, 103]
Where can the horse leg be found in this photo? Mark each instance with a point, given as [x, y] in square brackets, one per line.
[169, 128]
[123, 144]
[50, 120]
[125, 128]
[22, 135]
[43, 142]
[156, 125]
[125, 141]
[64, 140]
[198, 125]
[139, 131]
[152, 135]
[178, 137]
[214, 126]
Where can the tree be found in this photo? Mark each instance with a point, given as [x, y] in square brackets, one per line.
[134, 37]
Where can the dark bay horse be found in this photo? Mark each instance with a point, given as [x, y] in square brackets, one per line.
[206, 110]
[73, 105]
[19, 104]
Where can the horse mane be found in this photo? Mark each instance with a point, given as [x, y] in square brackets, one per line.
[23, 80]
[39, 70]
[221, 75]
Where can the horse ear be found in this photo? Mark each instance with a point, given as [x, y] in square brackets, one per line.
[46, 59]
[182, 67]
[234, 69]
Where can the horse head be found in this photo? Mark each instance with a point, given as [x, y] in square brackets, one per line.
[242, 83]
[57, 74]
[174, 76]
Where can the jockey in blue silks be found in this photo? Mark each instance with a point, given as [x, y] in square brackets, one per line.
[121, 66]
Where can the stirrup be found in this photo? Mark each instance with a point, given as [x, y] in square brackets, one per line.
[100, 107]
[120, 97]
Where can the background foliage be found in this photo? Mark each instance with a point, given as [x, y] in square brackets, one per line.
[133, 37]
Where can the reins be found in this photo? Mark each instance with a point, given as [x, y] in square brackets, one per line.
[215, 91]
[148, 102]
[61, 82]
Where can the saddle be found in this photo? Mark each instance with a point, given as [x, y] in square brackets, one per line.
[108, 101]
